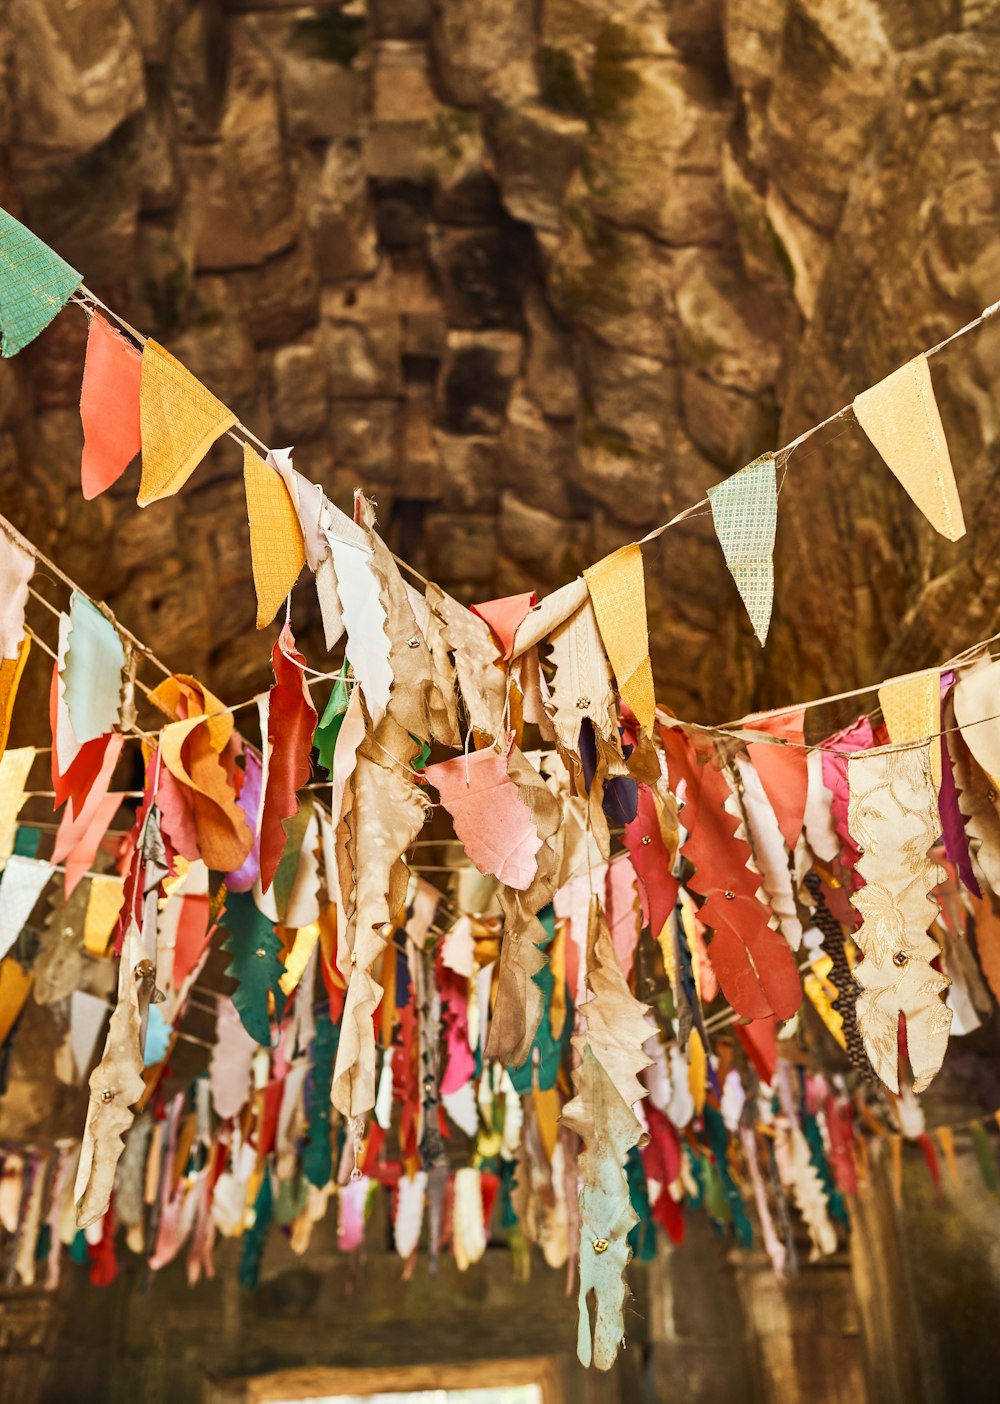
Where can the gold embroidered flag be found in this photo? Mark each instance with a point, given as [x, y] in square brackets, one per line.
[745, 513]
[179, 420]
[618, 589]
[277, 548]
[901, 418]
[911, 709]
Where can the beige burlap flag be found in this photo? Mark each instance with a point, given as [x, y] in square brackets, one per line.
[901, 418]
[179, 420]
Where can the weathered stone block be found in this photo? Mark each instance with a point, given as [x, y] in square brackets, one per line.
[468, 472]
[78, 73]
[366, 437]
[483, 273]
[537, 457]
[401, 86]
[299, 392]
[535, 153]
[475, 381]
[340, 215]
[362, 355]
[461, 548]
[621, 477]
[486, 48]
[242, 196]
[279, 299]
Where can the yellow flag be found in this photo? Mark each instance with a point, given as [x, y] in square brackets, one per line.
[104, 902]
[911, 708]
[697, 1071]
[15, 982]
[10, 678]
[179, 421]
[277, 548]
[618, 589]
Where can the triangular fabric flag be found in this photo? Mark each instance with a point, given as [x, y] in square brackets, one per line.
[10, 679]
[22, 884]
[14, 768]
[109, 407]
[505, 617]
[15, 986]
[745, 513]
[618, 590]
[783, 769]
[291, 723]
[911, 710]
[180, 421]
[35, 283]
[95, 659]
[901, 418]
[88, 1014]
[104, 902]
[326, 733]
[16, 569]
[277, 548]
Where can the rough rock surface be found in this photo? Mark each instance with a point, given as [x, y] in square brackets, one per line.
[534, 276]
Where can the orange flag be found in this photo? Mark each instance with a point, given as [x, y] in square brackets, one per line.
[109, 407]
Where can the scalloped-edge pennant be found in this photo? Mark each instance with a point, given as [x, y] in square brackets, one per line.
[35, 284]
[180, 421]
[277, 548]
[109, 407]
[618, 589]
[893, 820]
[745, 513]
[16, 570]
[901, 418]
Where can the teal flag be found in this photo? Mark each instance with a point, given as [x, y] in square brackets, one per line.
[34, 284]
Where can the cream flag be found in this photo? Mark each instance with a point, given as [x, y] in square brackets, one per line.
[901, 418]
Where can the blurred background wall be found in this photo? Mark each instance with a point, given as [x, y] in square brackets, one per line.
[534, 273]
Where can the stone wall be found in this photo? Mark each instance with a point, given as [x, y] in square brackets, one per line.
[534, 273]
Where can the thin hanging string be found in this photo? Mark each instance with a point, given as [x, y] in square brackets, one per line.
[782, 455]
[88, 300]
